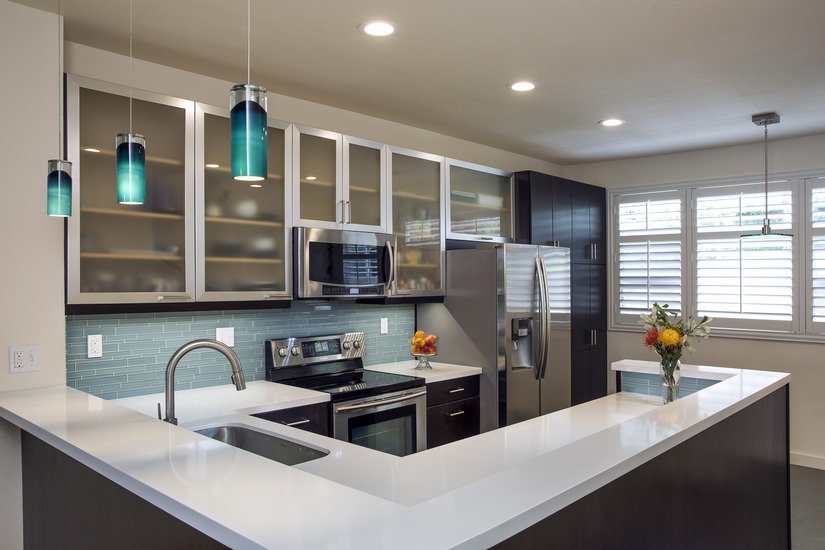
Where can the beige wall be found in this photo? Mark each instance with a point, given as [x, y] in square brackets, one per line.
[805, 361]
[31, 278]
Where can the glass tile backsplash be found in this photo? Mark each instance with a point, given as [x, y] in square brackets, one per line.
[651, 384]
[136, 347]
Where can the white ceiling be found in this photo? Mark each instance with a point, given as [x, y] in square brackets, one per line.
[685, 74]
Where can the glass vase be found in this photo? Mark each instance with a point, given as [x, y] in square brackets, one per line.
[671, 371]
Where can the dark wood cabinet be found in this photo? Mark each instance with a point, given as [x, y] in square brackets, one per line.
[543, 209]
[453, 410]
[311, 418]
[554, 210]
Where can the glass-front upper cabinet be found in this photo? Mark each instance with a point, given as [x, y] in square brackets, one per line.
[338, 181]
[480, 205]
[121, 253]
[417, 221]
[243, 247]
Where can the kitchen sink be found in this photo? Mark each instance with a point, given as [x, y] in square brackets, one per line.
[263, 444]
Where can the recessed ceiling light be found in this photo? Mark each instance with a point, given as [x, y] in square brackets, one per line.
[611, 122]
[255, 185]
[91, 150]
[521, 86]
[377, 28]
[213, 165]
[311, 178]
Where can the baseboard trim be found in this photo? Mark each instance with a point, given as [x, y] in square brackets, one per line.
[809, 461]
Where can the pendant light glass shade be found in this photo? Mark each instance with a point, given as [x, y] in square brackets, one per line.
[131, 168]
[59, 188]
[247, 117]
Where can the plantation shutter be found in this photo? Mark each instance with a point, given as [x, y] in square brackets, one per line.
[649, 236]
[745, 282]
[817, 254]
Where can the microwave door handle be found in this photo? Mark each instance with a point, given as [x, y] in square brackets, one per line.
[390, 253]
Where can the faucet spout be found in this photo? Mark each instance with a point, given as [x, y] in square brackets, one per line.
[205, 343]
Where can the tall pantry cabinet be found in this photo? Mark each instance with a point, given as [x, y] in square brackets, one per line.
[555, 211]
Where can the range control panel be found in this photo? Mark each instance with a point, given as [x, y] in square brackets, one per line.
[293, 352]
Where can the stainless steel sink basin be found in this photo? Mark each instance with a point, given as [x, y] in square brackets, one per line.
[263, 444]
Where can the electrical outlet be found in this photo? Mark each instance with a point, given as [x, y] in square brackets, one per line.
[225, 335]
[385, 325]
[24, 358]
[94, 345]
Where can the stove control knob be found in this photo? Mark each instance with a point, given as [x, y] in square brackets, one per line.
[282, 352]
[295, 350]
[357, 344]
[347, 345]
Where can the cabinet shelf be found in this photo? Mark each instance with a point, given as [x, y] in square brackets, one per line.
[226, 259]
[237, 221]
[130, 213]
[131, 256]
[414, 196]
[419, 266]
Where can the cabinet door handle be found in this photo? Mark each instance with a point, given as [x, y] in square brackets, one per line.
[593, 338]
[456, 390]
[349, 212]
[172, 297]
[297, 422]
[457, 413]
[341, 219]
[593, 251]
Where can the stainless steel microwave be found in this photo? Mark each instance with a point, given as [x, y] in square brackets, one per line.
[331, 263]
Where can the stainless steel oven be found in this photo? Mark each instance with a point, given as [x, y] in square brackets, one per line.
[393, 423]
[331, 263]
[382, 411]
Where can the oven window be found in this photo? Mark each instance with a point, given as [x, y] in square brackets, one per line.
[391, 431]
[346, 264]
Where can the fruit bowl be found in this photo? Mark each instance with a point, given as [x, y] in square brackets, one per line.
[422, 347]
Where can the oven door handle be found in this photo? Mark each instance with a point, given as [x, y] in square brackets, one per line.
[376, 402]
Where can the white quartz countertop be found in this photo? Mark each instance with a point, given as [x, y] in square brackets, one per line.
[469, 494]
[439, 373]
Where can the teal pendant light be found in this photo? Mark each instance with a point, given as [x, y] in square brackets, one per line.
[247, 118]
[59, 179]
[130, 152]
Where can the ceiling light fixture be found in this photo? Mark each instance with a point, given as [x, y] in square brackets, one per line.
[521, 86]
[130, 151]
[766, 119]
[377, 28]
[91, 150]
[610, 122]
[211, 165]
[247, 120]
[59, 179]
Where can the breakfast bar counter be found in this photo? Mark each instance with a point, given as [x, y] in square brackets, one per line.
[565, 475]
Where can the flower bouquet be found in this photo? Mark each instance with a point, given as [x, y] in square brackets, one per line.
[669, 338]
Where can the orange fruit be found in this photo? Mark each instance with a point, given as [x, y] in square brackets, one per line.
[419, 334]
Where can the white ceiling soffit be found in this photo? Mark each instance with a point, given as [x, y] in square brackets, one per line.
[685, 75]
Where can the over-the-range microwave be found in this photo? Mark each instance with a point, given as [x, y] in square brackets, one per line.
[332, 263]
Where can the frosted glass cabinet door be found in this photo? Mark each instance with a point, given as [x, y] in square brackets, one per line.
[243, 243]
[479, 202]
[129, 253]
[318, 176]
[416, 184]
[364, 184]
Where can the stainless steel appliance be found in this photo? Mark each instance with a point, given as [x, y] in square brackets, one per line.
[381, 411]
[331, 263]
[507, 310]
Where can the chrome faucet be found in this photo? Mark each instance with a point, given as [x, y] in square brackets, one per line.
[237, 371]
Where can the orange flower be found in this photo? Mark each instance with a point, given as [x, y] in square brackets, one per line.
[651, 337]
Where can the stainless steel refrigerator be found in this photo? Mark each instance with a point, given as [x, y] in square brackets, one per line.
[507, 310]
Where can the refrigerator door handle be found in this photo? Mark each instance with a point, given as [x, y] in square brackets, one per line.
[546, 320]
[541, 363]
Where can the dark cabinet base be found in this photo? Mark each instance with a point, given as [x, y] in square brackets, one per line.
[310, 418]
[726, 487]
[452, 421]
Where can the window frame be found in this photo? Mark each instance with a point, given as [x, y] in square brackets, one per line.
[802, 327]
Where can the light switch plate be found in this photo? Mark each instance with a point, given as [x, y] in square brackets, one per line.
[225, 335]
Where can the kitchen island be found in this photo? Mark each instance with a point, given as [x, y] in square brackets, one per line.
[570, 477]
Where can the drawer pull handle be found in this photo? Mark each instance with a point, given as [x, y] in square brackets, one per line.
[456, 390]
[297, 422]
[457, 413]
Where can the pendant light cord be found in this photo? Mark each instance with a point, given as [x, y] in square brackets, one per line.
[130, 66]
[766, 172]
[248, 37]
[59, 86]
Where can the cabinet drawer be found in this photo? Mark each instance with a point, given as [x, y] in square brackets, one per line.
[452, 421]
[312, 418]
[452, 390]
